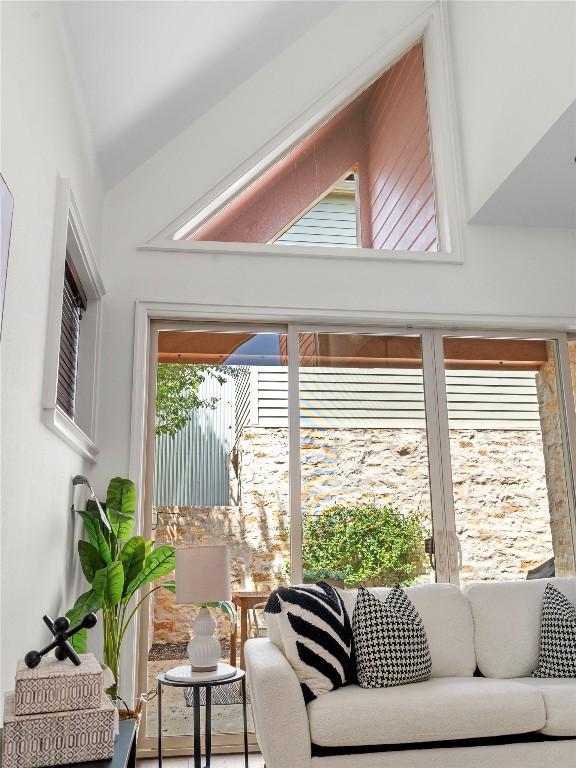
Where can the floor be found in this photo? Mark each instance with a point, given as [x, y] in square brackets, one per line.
[217, 761]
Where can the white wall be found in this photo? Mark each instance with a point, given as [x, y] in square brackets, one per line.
[42, 136]
[508, 272]
[515, 72]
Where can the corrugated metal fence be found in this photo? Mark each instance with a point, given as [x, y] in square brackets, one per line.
[192, 468]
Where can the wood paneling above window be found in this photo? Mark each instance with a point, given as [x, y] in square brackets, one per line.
[384, 135]
[399, 180]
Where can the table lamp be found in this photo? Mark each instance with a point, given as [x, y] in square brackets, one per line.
[203, 576]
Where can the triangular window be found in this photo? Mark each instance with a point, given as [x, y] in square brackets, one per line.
[383, 137]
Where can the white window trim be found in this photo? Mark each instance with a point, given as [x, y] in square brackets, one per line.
[67, 218]
[150, 315]
[431, 26]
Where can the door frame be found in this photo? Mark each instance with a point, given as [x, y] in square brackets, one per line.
[566, 410]
[149, 316]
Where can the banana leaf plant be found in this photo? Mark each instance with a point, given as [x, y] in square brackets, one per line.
[117, 566]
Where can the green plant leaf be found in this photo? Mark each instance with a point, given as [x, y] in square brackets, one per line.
[158, 563]
[109, 584]
[170, 586]
[121, 496]
[178, 392]
[97, 538]
[79, 641]
[149, 546]
[92, 507]
[86, 603]
[121, 524]
[132, 558]
[90, 560]
[365, 544]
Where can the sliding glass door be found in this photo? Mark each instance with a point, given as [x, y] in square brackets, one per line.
[510, 461]
[357, 455]
[220, 477]
[363, 444]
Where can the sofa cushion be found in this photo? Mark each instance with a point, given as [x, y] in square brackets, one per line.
[560, 702]
[436, 710]
[389, 641]
[445, 613]
[507, 623]
[557, 636]
[316, 634]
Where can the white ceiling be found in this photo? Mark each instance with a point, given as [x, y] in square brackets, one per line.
[146, 69]
[541, 191]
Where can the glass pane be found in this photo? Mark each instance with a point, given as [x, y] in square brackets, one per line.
[364, 460]
[221, 477]
[510, 491]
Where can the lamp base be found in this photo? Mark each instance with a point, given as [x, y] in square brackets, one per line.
[185, 674]
[204, 650]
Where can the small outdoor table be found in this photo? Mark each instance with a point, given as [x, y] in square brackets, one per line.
[244, 601]
[239, 675]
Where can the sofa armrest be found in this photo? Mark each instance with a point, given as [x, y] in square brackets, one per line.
[280, 713]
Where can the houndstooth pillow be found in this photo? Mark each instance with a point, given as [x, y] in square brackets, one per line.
[389, 640]
[557, 636]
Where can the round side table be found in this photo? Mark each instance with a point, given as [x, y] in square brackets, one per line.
[162, 680]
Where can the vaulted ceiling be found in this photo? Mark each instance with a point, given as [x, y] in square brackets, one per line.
[541, 191]
[147, 70]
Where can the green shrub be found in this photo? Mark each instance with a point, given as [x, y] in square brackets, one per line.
[364, 545]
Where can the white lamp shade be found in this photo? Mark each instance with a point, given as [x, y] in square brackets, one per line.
[203, 574]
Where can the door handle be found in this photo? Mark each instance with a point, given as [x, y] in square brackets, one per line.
[430, 551]
[459, 559]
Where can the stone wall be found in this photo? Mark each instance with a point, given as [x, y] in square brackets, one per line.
[258, 546]
[501, 502]
[554, 458]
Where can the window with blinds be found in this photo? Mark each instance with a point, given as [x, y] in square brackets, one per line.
[73, 305]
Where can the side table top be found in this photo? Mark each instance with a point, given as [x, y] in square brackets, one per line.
[163, 680]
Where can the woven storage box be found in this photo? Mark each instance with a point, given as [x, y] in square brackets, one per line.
[57, 738]
[57, 686]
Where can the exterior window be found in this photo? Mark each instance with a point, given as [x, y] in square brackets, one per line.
[74, 304]
[383, 134]
[76, 288]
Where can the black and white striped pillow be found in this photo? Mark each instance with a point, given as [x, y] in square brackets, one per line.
[316, 635]
[557, 636]
[390, 641]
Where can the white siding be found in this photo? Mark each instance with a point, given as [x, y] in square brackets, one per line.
[359, 397]
[332, 221]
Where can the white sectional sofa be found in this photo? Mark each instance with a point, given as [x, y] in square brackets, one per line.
[480, 708]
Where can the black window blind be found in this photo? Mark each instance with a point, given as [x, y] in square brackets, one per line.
[73, 305]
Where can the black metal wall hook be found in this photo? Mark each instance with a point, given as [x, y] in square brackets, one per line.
[62, 632]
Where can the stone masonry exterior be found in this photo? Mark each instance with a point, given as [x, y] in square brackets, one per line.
[502, 502]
